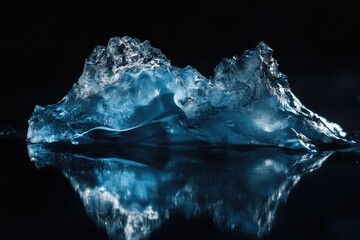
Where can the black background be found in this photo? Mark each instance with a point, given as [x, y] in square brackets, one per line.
[44, 46]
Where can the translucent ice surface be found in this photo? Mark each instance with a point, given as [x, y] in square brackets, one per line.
[129, 92]
[132, 192]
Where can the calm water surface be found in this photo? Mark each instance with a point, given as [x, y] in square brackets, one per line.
[132, 192]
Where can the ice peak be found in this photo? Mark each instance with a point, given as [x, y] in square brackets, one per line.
[125, 51]
[264, 49]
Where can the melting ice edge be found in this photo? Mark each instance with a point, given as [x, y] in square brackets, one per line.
[129, 92]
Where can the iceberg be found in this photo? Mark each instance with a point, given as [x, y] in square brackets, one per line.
[130, 93]
[132, 191]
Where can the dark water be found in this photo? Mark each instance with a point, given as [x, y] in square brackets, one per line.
[96, 192]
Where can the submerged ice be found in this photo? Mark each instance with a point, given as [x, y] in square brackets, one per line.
[129, 92]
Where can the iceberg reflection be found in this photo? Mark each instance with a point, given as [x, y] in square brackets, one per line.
[131, 192]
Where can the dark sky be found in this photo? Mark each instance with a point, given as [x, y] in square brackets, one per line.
[44, 45]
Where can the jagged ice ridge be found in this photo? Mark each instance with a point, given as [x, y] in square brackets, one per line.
[129, 92]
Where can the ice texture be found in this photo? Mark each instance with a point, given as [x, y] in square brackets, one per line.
[132, 191]
[129, 92]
